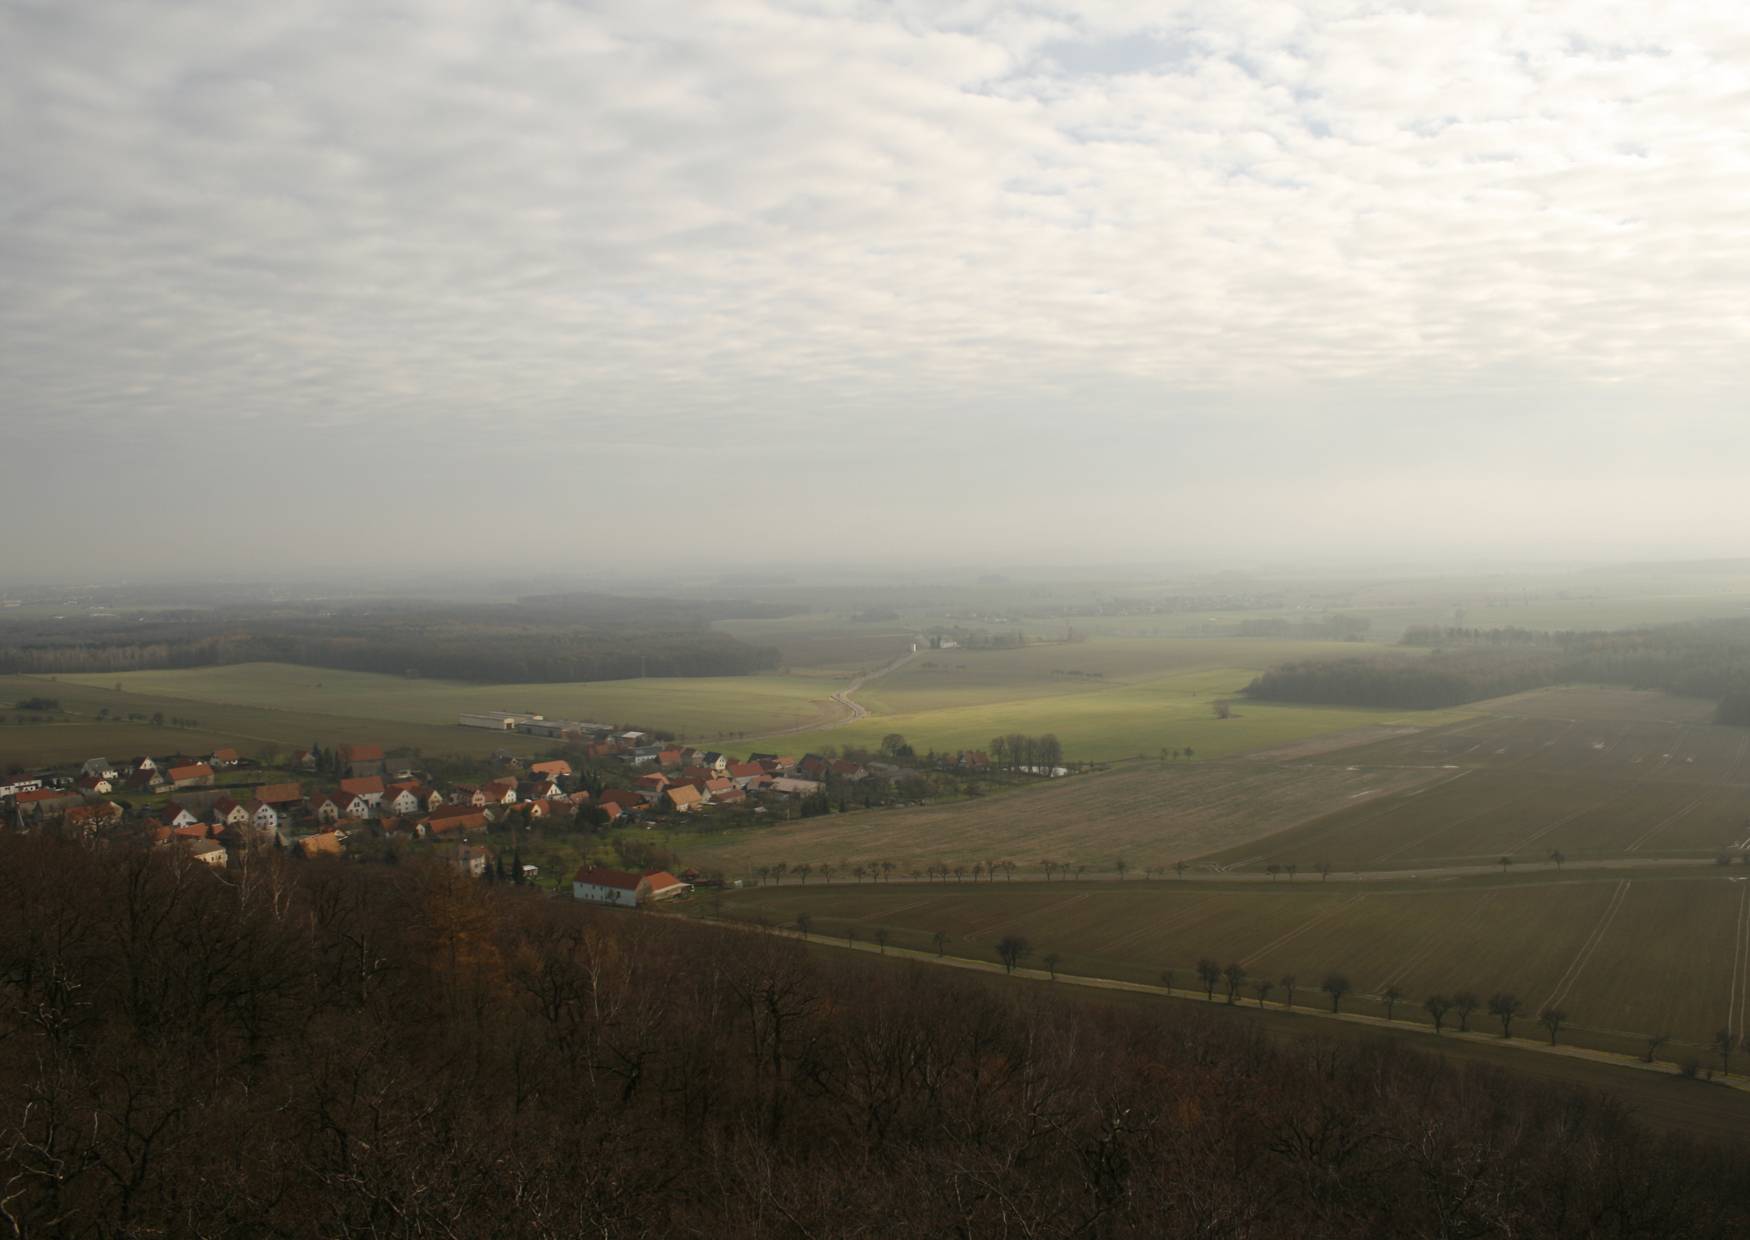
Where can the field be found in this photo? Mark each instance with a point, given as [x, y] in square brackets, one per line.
[1635, 928]
[1624, 957]
[1104, 698]
[1151, 813]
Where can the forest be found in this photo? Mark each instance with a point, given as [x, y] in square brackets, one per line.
[329, 1049]
[1707, 659]
[543, 639]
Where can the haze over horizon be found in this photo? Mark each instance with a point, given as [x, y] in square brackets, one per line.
[333, 285]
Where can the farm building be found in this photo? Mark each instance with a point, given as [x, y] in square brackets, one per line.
[495, 720]
[624, 889]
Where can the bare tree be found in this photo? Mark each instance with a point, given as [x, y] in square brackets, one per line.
[887, 868]
[850, 936]
[1051, 959]
[1504, 1006]
[1504, 863]
[1437, 1006]
[1655, 1044]
[1557, 856]
[1723, 1044]
[1324, 868]
[1551, 1018]
[880, 937]
[826, 872]
[1234, 974]
[804, 923]
[1391, 997]
[1209, 973]
[959, 873]
[1291, 867]
[1011, 950]
[1222, 708]
[940, 939]
[1272, 870]
[1336, 985]
[1179, 868]
[1122, 866]
[1167, 980]
[1464, 1003]
[1288, 984]
[1263, 986]
[1050, 868]
[803, 871]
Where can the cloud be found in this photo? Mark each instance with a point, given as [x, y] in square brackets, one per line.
[595, 237]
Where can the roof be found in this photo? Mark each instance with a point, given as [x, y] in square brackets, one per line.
[557, 766]
[364, 785]
[279, 794]
[662, 880]
[463, 810]
[327, 843]
[47, 794]
[682, 794]
[226, 754]
[599, 876]
[362, 753]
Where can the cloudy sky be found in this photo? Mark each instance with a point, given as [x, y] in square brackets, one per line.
[328, 281]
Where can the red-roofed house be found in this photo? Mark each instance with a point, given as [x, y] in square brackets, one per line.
[682, 798]
[599, 885]
[552, 769]
[224, 757]
[370, 787]
[661, 885]
[402, 801]
[280, 795]
[92, 816]
[173, 815]
[194, 775]
[362, 759]
[229, 813]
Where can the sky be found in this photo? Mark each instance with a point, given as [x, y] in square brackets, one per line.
[522, 283]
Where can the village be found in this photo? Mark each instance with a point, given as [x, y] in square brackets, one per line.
[356, 800]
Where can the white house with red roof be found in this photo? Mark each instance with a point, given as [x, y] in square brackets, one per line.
[624, 889]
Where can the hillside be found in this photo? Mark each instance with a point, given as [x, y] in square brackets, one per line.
[336, 1050]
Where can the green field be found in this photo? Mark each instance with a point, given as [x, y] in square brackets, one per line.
[704, 707]
[1104, 698]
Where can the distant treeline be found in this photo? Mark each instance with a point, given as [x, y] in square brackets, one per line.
[1324, 628]
[317, 1049]
[1708, 659]
[535, 640]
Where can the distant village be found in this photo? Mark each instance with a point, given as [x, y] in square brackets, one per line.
[341, 801]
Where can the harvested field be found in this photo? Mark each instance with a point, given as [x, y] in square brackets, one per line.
[1147, 813]
[1623, 957]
